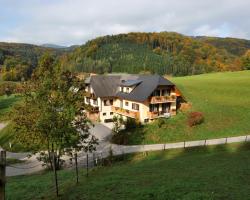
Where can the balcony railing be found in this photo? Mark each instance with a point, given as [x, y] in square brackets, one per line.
[90, 95]
[125, 112]
[157, 114]
[92, 109]
[162, 99]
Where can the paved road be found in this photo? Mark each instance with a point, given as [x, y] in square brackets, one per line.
[103, 133]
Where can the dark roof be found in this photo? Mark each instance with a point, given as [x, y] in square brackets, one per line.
[108, 85]
[129, 83]
[105, 86]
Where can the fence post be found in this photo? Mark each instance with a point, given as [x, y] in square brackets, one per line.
[93, 159]
[87, 164]
[164, 148]
[226, 140]
[55, 173]
[205, 143]
[184, 144]
[77, 178]
[101, 159]
[2, 174]
[246, 139]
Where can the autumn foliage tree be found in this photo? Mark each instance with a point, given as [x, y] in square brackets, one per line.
[50, 119]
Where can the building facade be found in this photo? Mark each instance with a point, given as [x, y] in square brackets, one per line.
[141, 97]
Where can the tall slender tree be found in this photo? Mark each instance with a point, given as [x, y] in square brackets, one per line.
[51, 119]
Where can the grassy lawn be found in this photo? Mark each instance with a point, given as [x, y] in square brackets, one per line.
[6, 134]
[7, 138]
[6, 102]
[215, 172]
[224, 98]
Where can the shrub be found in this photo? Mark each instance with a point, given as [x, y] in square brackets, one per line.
[118, 122]
[195, 118]
[160, 122]
[122, 138]
[131, 123]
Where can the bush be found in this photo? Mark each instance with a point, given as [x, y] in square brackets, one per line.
[195, 118]
[160, 122]
[122, 138]
[131, 123]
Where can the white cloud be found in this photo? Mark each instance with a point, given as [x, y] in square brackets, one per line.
[74, 22]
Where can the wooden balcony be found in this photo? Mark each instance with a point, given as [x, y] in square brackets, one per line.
[124, 112]
[162, 99]
[92, 109]
[157, 114]
[90, 95]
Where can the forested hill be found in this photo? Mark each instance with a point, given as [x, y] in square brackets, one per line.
[163, 53]
[17, 60]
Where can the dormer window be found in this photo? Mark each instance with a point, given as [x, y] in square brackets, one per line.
[127, 89]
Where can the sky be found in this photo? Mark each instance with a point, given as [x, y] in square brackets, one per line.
[69, 22]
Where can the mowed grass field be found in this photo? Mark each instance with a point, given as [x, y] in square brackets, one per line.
[223, 98]
[6, 134]
[214, 172]
[6, 102]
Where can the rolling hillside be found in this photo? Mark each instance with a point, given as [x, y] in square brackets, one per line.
[223, 98]
[163, 53]
[188, 174]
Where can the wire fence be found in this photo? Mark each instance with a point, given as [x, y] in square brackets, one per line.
[88, 160]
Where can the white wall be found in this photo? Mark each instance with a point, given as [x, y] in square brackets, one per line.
[105, 109]
[143, 108]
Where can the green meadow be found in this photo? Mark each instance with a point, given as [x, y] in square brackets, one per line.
[6, 102]
[214, 172]
[223, 98]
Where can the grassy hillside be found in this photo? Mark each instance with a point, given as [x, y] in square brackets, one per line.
[222, 97]
[164, 53]
[6, 102]
[215, 172]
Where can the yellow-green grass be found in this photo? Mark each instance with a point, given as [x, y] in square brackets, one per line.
[9, 142]
[6, 103]
[215, 172]
[7, 133]
[223, 98]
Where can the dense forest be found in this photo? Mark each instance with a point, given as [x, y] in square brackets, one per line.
[163, 53]
[17, 60]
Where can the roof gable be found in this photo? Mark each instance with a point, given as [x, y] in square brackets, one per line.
[108, 85]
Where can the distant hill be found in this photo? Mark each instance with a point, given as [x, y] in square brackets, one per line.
[163, 53]
[54, 46]
[17, 60]
[233, 45]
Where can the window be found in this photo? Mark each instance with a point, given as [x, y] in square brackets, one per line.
[146, 120]
[87, 100]
[126, 103]
[154, 107]
[111, 113]
[156, 93]
[108, 102]
[135, 106]
[165, 92]
[104, 114]
[127, 90]
[95, 102]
